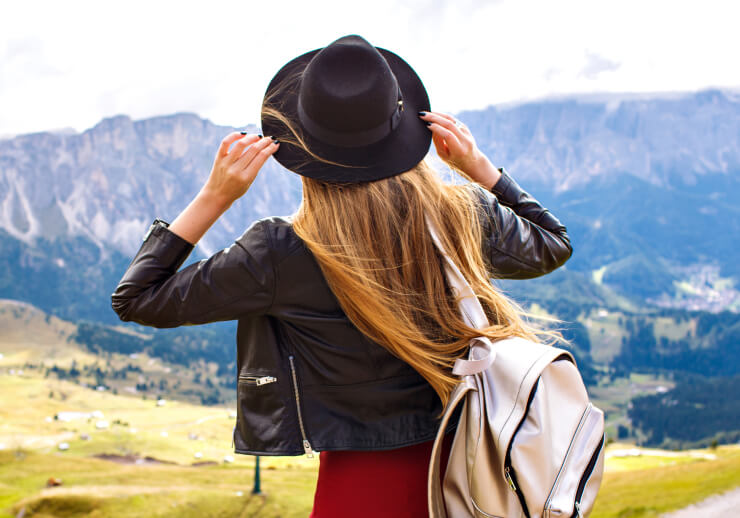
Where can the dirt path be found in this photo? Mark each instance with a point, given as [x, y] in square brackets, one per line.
[717, 506]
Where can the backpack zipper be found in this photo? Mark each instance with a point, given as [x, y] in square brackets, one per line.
[566, 459]
[585, 478]
[257, 380]
[306, 445]
[509, 472]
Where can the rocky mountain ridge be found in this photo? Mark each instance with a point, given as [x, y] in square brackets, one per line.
[108, 182]
[646, 186]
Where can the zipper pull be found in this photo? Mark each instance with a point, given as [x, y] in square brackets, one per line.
[509, 479]
[307, 449]
[264, 380]
[578, 510]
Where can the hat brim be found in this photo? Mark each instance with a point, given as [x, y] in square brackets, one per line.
[400, 151]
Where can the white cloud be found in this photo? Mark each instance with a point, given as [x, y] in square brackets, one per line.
[596, 65]
[71, 63]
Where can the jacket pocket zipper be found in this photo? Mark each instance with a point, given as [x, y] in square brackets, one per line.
[257, 380]
[585, 478]
[246, 379]
[306, 445]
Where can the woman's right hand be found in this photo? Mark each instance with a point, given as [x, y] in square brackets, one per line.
[235, 169]
[232, 173]
[456, 146]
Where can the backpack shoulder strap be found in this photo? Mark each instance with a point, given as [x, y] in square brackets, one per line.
[435, 502]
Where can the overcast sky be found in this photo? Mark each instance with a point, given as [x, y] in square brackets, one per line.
[69, 64]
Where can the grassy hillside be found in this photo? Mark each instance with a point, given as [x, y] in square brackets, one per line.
[43, 345]
[174, 483]
[636, 487]
[169, 460]
[647, 486]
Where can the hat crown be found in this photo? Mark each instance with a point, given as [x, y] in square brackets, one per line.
[347, 113]
[349, 86]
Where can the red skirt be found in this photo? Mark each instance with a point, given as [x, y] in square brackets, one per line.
[387, 483]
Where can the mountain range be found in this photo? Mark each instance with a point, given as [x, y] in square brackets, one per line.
[647, 187]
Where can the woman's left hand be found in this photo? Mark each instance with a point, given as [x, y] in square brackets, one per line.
[234, 170]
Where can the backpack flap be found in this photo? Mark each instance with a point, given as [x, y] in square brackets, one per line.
[562, 423]
[502, 397]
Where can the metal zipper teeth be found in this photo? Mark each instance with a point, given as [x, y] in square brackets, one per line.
[257, 380]
[581, 424]
[586, 477]
[306, 445]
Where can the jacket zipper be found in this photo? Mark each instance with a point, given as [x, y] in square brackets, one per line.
[306, 445]
[585, 478]
[257, 380]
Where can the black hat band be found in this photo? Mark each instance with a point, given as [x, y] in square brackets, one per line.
[355, 138]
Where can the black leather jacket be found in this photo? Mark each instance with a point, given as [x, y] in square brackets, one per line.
[307, 378]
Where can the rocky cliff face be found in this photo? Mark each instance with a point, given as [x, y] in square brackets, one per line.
[567, 143]
[107, 183]
[636, 180]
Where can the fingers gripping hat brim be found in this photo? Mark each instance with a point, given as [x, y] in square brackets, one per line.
[400, 151]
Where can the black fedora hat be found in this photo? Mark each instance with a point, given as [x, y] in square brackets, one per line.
[352, 104]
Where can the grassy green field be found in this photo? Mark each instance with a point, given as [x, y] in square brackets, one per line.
[647, 486]
[169, 460]
[174, 482]
[635, 486]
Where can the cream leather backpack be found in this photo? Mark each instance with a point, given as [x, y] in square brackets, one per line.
[529, 443]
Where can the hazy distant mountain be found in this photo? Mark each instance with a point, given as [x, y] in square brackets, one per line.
[568, 142]
[645, 186]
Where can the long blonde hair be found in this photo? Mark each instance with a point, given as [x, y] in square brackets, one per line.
[373, 247]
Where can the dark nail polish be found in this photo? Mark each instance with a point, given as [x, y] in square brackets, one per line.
[274, 138]
[276, 141]
[260, 136]
[243, 132]
[428, 123]
[421, 114]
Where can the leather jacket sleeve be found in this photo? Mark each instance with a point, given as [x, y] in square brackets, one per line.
[234, 282]
[521, 238]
